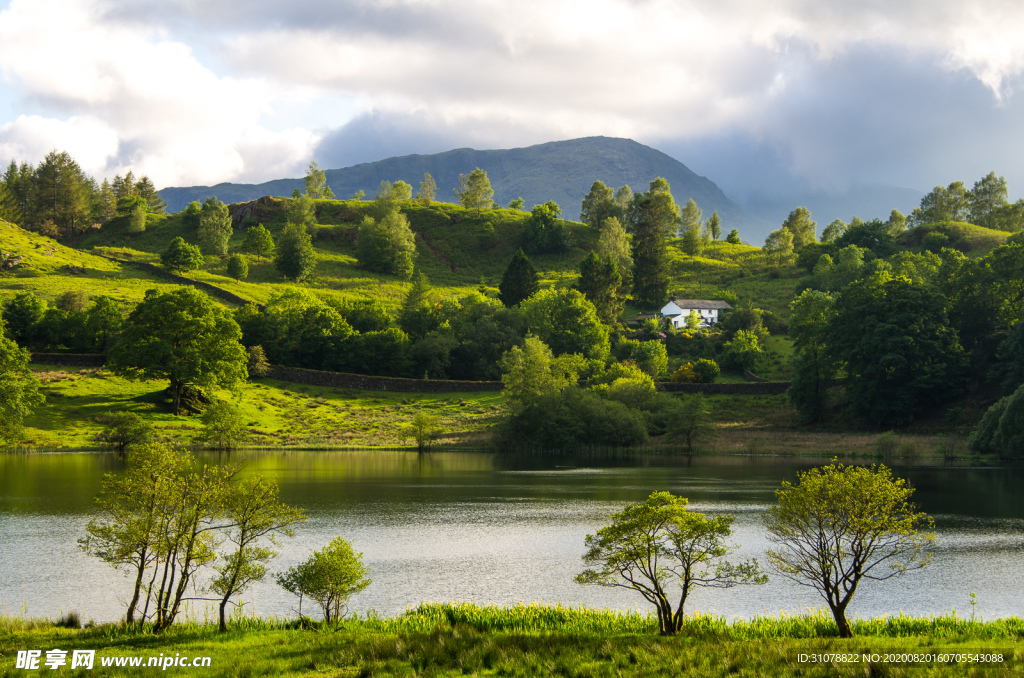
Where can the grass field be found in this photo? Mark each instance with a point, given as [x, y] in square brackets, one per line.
[461, 639]
[280, 414]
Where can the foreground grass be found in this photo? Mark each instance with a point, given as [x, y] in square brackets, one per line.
[279, 414]
[463, 639]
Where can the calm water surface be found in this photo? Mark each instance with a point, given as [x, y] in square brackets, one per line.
[493, 529]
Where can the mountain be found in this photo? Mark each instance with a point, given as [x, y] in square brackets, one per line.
[559, 170]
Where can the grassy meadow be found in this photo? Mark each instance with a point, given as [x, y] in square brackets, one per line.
[465, 639]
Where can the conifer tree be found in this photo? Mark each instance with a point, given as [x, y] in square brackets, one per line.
[520, 280]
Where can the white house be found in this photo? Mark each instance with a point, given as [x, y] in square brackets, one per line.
[677, 310]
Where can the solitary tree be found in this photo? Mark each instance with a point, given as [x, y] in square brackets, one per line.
[330, 577]
[386, 244]
[657, 548]
[224, 425]
[258, 241]
[238, 267]
[214, 227]
[424, 429]
[691, 421]
[253, 512]
[800, 226]
[474, 190]
[315, 182]
[840, 525]
[428, 189]
[19, 388]
[733, 238]
[124, 430]
[183, 337]
[519, 281]
[180, 256]
[714, 225]
[295, 257]
[655, 215]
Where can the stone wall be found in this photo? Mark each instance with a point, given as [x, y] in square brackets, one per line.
[759, 388]
[198, 284]
[368, 383]
[70, 359]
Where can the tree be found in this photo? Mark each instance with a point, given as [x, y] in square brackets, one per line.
[779, 244]
[519, 281]
[425, 430]
[258, 241]
[295, 257]
[181, 256]
[733, 238]
[544, 233]
[613, 242]
[302, 210]
[714, 225]
[133, 210]
[238, 267]
[897, 223]
[691, 421]
[19, 389]
[387, 244]
[183, 337]
[900, 353]
[254, 511]
[600, 282]
[315, 182]
[474, 190]
[428, 189]
[568, 323]
[942, 204]
[214, 227]
[598, 205]
[532, 371]
[655, 214]
[123, 431]
[692, 242]
[656, 546]
[812, 366]
[257, 364]
[690, 219]
[191, 214]
[145, 189]
[840, 525]
[516, 204]
[59, 192]
[330, 577]
[800, 226]
[833, 231]
[224, 424]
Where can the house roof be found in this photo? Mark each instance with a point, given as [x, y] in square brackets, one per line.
[699, 303]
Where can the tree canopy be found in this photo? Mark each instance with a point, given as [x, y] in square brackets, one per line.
[474, 190]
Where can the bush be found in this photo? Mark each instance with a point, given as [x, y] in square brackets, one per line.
[330, 576]
[123, 430]
[887, 443]
[573, 418]
[706, 371]
[744, 352]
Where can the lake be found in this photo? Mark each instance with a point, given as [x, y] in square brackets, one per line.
[488, 528]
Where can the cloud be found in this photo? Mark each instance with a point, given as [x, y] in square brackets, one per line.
[157, 110]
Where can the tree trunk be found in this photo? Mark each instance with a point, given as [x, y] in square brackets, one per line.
[839, 613]
[176, 387]
[223, 624]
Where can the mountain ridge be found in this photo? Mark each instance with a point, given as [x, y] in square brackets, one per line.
[562, 171]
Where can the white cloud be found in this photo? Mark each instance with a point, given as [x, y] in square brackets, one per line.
[162, 112]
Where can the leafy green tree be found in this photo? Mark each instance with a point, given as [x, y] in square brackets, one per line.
[428, 189]
[417, 316]
[257, 366]
[842, 525]
[897, 223]
[191, 214]
[733, 238]
[600, 282]
[988, 194]
[238, 267]
[714, 225]
[145, 189]
[900, 354]
[743, 351]
[613, 242]
[942, 204]
[258, 241]
[330, 577]
[544, 233]
[22, 314]
[706, 371]
[572, 418]
[123, 431]
[254, 511]
[654, 215]
[691, 421]
[295, 256]
[181, 256]
[133, 210]
[474, 190]
[692, 243]
[778, 245]
[567, 323]
[315, 183]
[650, 356]
[532, 371]
[800, 226]
[386, 245]
[224, 425]
[297, 329]
[183, 337]
[663, 552]
[599, 204]
[103, 323]
[214, 227]
[19, 389]
[425, 429]
[519, 281]
[833, 231]
[812, 366]
[516, 204]
[302, 210]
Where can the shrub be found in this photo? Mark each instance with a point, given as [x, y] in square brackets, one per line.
[330, 576]
[987, 437]
[123, 430]
[573, 418]
[706, 371]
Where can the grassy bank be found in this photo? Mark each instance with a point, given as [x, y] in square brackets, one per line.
[462, 639]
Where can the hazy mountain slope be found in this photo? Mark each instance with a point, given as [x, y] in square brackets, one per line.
[560, 170]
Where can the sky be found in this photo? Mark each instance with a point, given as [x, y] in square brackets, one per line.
[762, 97]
